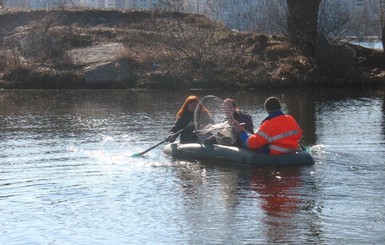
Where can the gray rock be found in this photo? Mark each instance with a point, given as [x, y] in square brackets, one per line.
[334, 54]
[110, 73]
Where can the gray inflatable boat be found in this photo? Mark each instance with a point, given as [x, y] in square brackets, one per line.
[235, 155]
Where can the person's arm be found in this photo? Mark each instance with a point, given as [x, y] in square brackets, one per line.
[256, 140]
[243, 133]
[249, 124]
[244, 136]
[178, 125]
[252, 141]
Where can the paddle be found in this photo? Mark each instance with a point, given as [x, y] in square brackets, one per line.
[156, 145]
[303, 147]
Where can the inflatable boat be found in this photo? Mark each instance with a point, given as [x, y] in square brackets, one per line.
[235, 155]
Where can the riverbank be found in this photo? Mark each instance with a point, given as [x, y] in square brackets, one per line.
[141, 50]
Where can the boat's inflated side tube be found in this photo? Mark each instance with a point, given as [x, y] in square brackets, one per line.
[234, 155]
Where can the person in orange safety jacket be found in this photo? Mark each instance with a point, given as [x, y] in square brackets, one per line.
[277, 134]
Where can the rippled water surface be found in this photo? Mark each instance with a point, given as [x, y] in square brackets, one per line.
[67, 175]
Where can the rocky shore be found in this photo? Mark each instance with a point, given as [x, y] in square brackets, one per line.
[156, 50]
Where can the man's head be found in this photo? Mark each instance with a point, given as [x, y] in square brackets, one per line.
[272, 104]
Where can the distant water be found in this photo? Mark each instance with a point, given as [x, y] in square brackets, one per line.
[372, 45]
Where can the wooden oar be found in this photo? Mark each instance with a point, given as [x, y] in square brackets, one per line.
[156, 145]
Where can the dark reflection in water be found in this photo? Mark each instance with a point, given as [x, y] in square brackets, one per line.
[66, 107]
[383, 116]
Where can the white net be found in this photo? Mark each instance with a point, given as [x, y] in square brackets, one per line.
[212, 120]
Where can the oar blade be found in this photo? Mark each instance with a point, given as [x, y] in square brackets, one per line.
[156, 145]
[136, 155]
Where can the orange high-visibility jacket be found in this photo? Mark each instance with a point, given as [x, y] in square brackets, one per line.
[280, 133]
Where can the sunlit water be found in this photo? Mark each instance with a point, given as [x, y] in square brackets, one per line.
[371, 45]
[67, 175]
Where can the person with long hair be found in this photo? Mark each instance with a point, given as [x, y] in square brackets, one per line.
[185, 120]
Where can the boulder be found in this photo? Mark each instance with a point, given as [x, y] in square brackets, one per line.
[96, 54]
[340, 54]
[115, 73]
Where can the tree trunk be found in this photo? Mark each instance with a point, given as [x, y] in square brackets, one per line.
[383, 39]
[302, 23]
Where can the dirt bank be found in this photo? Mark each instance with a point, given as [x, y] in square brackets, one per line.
[139, 49]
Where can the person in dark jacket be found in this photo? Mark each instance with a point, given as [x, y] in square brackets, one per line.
[185, 120]
[235, 114]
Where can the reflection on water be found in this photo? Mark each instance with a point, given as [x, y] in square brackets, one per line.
[371, 45]
[277, 190]
[288, 205]
[66, 175]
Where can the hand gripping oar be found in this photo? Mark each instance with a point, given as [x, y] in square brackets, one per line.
[156, 145]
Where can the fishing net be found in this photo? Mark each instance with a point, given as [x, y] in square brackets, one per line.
[212, 121]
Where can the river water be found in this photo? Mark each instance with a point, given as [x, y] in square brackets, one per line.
[67, 175]
[371, 45]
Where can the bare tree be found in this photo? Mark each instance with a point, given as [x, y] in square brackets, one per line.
[333, 20]
[217, 8]
[378, 7]
[267, 16]
[171, 5]
[383, 39]
[274, 15]
[302, 23]
[66, 3]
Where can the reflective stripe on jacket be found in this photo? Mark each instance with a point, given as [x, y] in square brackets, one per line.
[281, 133]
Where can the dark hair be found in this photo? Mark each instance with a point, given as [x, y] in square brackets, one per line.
[272, 104]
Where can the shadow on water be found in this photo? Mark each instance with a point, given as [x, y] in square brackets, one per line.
[306, 104]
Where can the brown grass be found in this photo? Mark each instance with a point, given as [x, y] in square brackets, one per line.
[279, 51]
[184, 50]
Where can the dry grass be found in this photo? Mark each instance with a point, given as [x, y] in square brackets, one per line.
[279, 51]
[179, 50]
